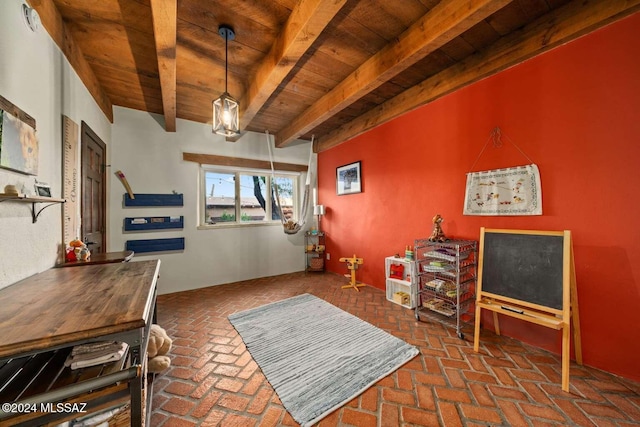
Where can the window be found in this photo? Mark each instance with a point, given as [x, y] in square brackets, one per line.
[235, 196]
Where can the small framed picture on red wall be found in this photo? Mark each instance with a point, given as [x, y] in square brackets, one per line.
[349, 179]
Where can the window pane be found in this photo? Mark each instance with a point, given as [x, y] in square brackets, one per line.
[286, 191]
[220, 189]
[253, 197]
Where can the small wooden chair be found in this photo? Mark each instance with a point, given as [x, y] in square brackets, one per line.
[352, 265]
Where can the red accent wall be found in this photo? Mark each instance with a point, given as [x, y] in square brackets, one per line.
[575, 112]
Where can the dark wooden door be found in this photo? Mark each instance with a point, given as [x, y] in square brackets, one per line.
[93, 215]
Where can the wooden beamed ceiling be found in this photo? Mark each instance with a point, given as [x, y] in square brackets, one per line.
[329, 68]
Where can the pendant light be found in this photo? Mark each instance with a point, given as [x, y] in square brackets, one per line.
[226, 120]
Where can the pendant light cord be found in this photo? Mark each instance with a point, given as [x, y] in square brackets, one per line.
[226, 60]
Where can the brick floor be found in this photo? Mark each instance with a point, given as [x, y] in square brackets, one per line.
[213, 381]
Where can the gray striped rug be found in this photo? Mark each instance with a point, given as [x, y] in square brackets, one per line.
[316, 356]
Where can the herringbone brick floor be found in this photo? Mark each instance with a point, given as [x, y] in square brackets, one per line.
[213, 381]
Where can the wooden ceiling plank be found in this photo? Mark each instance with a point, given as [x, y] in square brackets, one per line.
[165, 19]
[437, 27]
[61, 35]
[306, 22]
[552, 30]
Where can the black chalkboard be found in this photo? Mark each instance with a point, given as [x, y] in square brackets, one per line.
[526, 267]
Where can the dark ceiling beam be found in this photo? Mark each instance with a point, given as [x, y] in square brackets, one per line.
[61, 35]
[549, 31]
[165, 19]
[305, 24]
[443, 23]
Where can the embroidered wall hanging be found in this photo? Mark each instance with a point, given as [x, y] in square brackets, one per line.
[511, 191]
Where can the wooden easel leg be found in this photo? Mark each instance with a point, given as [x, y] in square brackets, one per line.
[575, 313]
[566, 338]
[476, 334]
[496, 323]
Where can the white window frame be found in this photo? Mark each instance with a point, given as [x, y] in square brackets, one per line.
[237, 171]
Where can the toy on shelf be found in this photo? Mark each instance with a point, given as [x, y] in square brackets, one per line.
[396, 271]
[437, 235]
[408, 253]
[352, 265]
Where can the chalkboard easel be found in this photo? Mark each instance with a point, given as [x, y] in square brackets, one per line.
[530, 275]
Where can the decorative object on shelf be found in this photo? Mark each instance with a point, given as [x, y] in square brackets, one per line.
[10, 190]
[401, 298]
[352, 265]
[509, 191]
[318, 211]
[226, 114]
[437, 235]
[408, 253]
[396, 271]
[18, 139]
[349, 179]
[125, 183]
[42, 189]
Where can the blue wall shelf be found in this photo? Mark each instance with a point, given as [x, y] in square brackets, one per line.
[153, 223]
[155, 245]
[154, 200]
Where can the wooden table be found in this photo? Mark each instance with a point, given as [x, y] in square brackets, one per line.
[63, 307]
[101, 258]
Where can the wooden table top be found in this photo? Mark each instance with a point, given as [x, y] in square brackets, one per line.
[64, 305]
[101, 258]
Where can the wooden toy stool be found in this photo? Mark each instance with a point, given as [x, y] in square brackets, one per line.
[352, 265]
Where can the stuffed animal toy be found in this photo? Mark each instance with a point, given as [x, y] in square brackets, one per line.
[159, 345]
[437, 235]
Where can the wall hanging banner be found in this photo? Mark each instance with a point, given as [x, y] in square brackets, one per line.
[511, 191]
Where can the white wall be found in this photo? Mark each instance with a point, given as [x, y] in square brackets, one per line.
[151, 159]
[35, 76]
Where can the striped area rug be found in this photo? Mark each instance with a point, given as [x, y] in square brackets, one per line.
[316, 356]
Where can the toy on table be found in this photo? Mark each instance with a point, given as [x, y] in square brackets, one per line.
[352, 265]
[77, 251]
